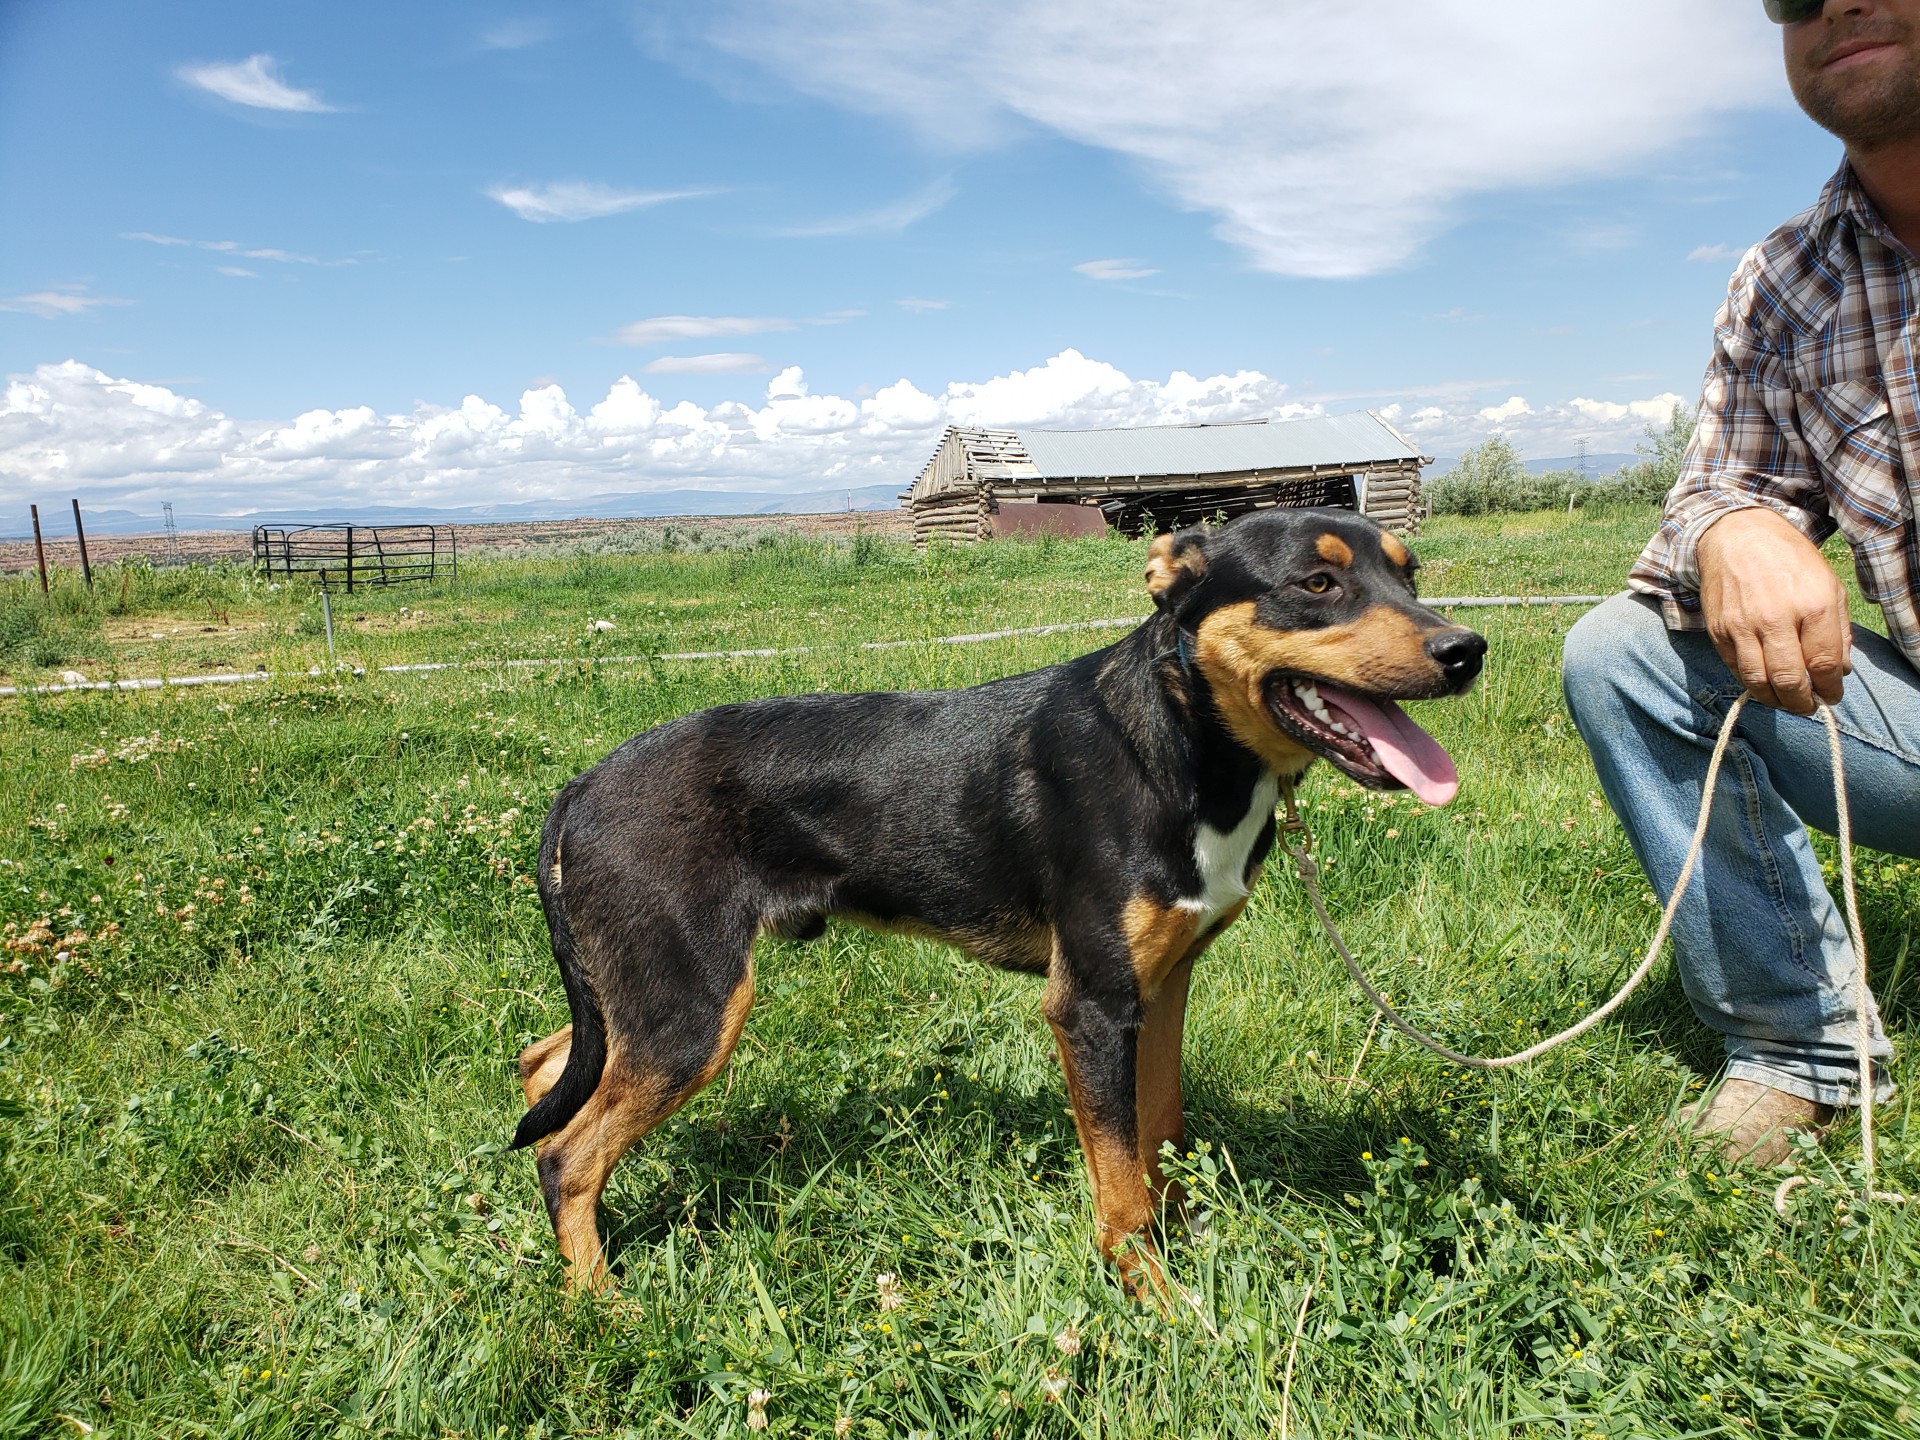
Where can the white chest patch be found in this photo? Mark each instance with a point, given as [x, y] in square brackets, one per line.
[1221, 856]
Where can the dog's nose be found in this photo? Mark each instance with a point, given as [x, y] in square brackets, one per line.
[1458, 653]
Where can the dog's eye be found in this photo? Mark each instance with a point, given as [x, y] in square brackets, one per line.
[1317, 584]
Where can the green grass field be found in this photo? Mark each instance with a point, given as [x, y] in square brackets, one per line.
[271, 950]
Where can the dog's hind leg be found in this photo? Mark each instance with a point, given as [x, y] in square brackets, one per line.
[646, 1078]
[542, 1062]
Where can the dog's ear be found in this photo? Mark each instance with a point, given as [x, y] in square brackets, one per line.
[1175, 563]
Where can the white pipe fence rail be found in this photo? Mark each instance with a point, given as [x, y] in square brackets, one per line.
[254, 677]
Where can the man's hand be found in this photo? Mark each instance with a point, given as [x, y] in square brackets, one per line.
[1777, 613]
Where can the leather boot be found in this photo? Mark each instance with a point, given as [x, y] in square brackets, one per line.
[1755, 1123]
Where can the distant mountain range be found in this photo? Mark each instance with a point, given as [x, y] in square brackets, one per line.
[619, 505]
[56, 520]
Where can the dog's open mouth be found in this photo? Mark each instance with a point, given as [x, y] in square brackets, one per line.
[1372, 740]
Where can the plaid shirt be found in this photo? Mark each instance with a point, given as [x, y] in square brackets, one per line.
[1811, 407]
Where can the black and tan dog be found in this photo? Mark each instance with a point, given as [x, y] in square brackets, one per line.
[1097, 823]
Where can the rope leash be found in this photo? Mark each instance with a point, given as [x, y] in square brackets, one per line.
[1293, 826]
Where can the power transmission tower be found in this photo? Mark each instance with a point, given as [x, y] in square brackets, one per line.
[1580, 456]
[173, 533]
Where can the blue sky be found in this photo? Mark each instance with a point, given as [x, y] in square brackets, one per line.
[264, 255]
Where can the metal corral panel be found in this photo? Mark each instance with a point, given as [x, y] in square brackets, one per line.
[1357, 441]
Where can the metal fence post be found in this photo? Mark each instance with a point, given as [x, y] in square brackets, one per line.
[80, 533]
[349, 559]
[39, 548]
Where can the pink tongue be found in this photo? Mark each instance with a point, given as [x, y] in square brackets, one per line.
[1410, 754]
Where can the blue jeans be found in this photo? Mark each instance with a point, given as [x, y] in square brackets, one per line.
[1761, 947]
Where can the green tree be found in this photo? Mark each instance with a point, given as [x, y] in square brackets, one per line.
[1487, 478]
[1650, 479]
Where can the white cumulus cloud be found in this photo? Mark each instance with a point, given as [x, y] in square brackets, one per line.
[71, 429]
[1512, 408]
[1713, 253]
[663, 328]
[1653, 411]
[1327, 140]
[570, 200]
[255, 82]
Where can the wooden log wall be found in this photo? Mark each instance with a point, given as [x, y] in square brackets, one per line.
[959, 516]
[1393, 499]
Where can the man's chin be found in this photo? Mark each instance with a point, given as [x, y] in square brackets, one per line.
[1870, 99]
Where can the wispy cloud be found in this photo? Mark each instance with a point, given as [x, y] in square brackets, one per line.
[726, 362]
[662, 329]
[1318, 151]
[59, 301]
[238, 270]
[254, 82]
[887, 220]
[914, 302]
[1598, 236]
[1115, 269]
[516, 34]
[569, 200]
[836, 317]
[234, 247]
[1711, 253]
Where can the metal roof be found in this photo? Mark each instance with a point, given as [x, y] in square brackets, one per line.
[1356, 440]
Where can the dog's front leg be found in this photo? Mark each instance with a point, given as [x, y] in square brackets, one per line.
[1158, 1102]
[1158, 1099]
[1105, 1033]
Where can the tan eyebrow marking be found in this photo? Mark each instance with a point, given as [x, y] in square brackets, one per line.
[1395, 551]
[1334, 550]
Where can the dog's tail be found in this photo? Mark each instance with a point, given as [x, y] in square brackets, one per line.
[587, 1054]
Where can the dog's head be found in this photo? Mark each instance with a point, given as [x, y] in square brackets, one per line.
[1305, 627]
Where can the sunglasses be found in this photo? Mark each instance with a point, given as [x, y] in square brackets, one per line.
[1792, 12]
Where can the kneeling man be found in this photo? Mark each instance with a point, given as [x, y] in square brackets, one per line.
[1809, 423]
